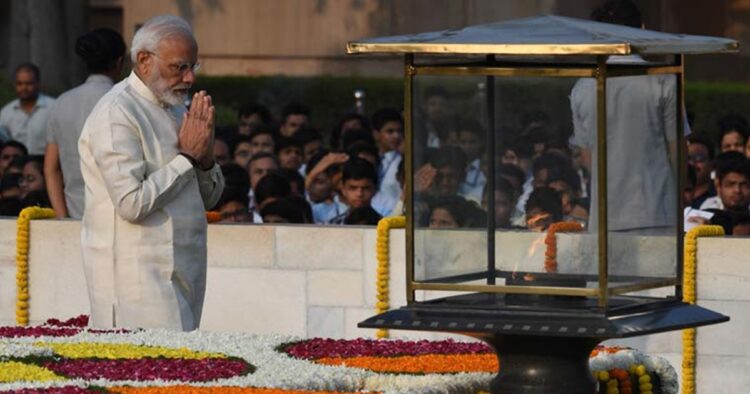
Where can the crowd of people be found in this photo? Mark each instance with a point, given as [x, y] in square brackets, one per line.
[282, 169]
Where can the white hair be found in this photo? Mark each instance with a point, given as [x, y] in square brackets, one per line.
[156, 29]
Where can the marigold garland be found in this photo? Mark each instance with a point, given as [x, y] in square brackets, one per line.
[550, 255]
[382, 249]
[22, 259]
[213, 216]
[689, 295]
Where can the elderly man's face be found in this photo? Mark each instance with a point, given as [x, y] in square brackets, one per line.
[169, 71]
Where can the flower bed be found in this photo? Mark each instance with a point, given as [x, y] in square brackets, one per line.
[65, 357]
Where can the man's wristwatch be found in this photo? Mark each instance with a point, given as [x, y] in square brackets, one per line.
[195, 163]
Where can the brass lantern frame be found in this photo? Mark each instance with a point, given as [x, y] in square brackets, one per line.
[492, 68]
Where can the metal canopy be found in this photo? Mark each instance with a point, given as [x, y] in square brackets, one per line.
[545, 35]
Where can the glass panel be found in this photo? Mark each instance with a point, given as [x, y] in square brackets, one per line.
[449, 138]
[641, 173]
[541, 190]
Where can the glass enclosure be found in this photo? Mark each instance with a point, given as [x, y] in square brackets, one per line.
[505, 175]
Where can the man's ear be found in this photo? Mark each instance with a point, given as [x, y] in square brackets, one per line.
[143, 61]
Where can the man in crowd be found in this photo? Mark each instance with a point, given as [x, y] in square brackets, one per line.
[25, 118]
[103, 51]
[150, 175]
[700, 156]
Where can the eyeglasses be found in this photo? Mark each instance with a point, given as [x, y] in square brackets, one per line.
[181, 68]
[697, 158]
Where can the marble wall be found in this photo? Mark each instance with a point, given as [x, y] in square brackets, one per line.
[320, 281]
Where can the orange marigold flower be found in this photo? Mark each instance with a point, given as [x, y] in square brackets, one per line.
[550, 255]
[429, 363]
[213, 217]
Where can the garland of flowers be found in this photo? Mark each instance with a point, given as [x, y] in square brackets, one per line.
[382, 247]
[550, 255]
[689, 296]
[22, 259]
[213, 216]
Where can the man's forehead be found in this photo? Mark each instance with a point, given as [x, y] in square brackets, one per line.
[25, 75]
[180, 47]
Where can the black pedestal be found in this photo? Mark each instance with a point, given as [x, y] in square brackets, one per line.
[542, 365]
[543, 343]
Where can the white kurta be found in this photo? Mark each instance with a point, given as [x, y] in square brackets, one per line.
[144, 229]
[641, 123]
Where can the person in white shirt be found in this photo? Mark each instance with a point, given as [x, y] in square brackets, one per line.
[641, 138]
[150, 175]
[471, 140]
[388, 131]
[25, 118]
[103, 51]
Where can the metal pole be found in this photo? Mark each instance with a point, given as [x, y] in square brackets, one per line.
[601, 178]
[490, 91]
[681, 170]
[409, 173]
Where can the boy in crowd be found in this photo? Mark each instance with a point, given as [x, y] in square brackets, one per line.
[471, 140]
[733, 130]
[543, 208]
[289, 152]
[262, 139]
[388, 132]
[242, 150]
[320, 183]
[252, 116]
[312, 143]
[293, 117]
[11, 150]
[359, 184]
[221, 152]
[234, 201]
[259, 166]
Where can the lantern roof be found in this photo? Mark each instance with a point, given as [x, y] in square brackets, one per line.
[545, 35]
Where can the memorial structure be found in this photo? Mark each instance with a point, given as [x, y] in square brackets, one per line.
[620, 275]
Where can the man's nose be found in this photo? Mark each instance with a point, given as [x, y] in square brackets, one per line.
[189, 77]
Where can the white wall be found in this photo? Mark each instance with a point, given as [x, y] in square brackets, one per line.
[320, 281]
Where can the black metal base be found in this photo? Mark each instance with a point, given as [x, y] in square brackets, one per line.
[543, 343]
[542, 365]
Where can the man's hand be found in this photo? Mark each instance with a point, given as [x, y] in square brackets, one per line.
[196, 137]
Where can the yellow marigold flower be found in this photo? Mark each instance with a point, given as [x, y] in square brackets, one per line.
[13, 371]
[123, 350]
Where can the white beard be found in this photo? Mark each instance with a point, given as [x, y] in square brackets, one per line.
[162, 92]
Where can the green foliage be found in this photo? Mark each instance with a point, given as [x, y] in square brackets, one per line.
[707, 102]
[331, 97]
[328, 97]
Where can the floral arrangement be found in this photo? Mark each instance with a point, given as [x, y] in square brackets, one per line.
[383, 255]
[550, 240]
[67, 357]
[22, 258]
[690, 296]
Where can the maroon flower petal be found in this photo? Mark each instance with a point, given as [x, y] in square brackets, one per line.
[202, 370]
[322, 347]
